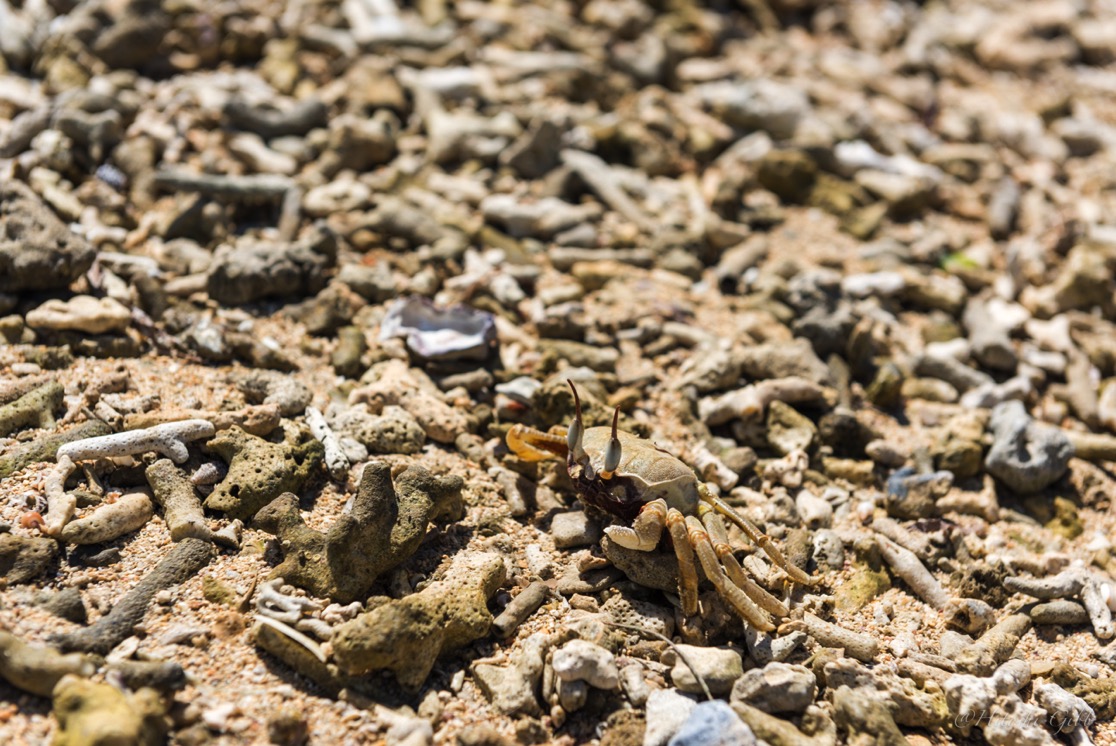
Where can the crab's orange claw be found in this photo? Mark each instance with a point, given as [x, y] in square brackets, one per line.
[531, 445]
[613, 451]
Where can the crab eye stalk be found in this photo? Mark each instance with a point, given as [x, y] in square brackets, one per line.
[613, 452]
[577, 429]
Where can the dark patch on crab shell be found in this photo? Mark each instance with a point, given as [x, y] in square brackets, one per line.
[619, 496]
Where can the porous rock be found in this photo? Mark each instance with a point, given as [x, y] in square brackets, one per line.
[384, 528]
[35, 408]
[251, 272]
[393, 383]
[865, 717]
[259, 471]
[394, 430]
[271, 388]
[636, 613]
[407, 636]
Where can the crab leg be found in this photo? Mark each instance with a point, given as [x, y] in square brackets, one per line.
[757, 537]
[687, 570]
[534, 445]
[739, 602]
[645, 530]
[715, 525]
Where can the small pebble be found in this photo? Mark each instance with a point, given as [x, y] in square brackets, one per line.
[667, 710]
[581, 660]
[574, 529]
[718, 667]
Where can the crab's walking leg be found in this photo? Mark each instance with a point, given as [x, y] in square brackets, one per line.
[740, 603]
[687, 570]
[645, 531]
[715, 525]
[757, 537]
[534, 445]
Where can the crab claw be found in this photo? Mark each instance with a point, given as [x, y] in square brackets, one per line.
[613, 452]
[576, 430]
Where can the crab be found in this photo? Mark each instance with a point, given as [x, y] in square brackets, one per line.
[636, 481]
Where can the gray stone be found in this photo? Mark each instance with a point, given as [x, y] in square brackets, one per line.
[252, 272]
[506, 688]
[713, 724]
[581, 660]
[82, 313]
[667, 710]
[763, 648]
[373, 283]
[539, 219]
[535, 151]
[758, 104]
[37, 250]
[718, 667]
[1027, 456]
[777, 687]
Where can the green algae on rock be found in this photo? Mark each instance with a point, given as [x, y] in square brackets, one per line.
[407, 636]
[384, 528]
[259, 471]
[778, 732]
[36, 407]
[1066, 521]
[92, 714]
[45, 447]
[869, 578]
